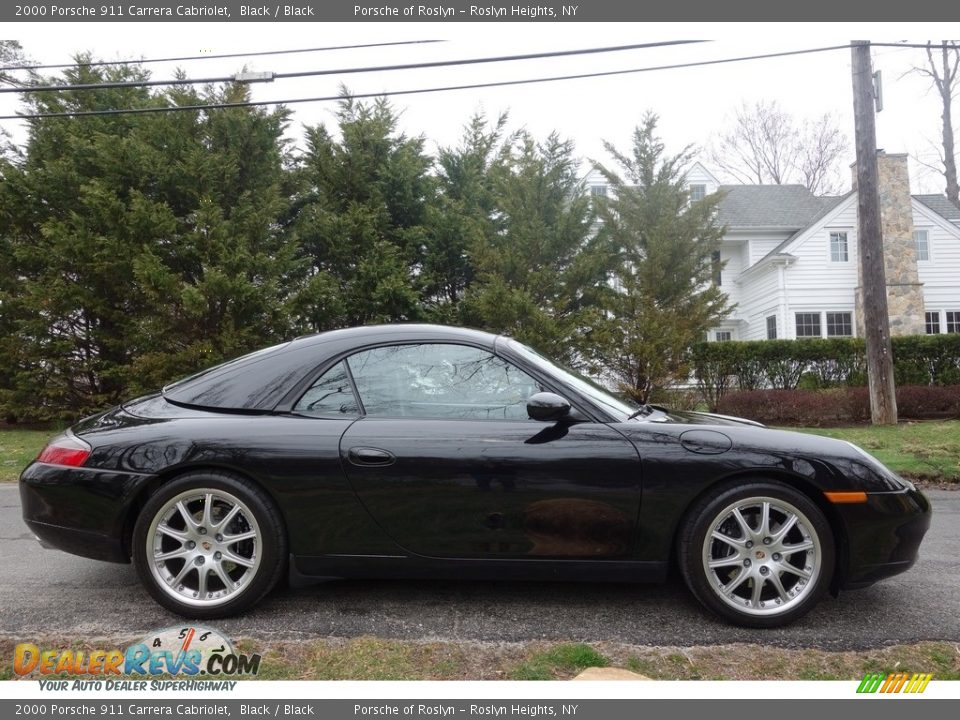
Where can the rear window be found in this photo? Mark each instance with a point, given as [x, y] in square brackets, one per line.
[257, 381]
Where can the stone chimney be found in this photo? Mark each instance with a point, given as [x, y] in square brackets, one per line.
[904, 289]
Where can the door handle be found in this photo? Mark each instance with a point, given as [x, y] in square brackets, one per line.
[370, 457]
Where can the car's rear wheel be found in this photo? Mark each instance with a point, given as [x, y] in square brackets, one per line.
[209, 544]
[759, 554]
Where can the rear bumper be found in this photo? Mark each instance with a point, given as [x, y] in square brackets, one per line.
[884, 536]
[78, 542]
[82, 511]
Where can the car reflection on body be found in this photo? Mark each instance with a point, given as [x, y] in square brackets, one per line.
[431, 451]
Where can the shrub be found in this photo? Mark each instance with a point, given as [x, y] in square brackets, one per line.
[817, 363]
[837, 406]
[927, 359]
[928, 401]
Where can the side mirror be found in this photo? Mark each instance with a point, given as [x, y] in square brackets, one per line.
[547, 406]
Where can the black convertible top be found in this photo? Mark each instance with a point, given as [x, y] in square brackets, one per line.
[258, 381]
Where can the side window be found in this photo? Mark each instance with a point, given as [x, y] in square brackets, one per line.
[440, 381]
[330, 395]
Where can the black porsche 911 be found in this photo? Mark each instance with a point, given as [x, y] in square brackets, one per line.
[429, 451]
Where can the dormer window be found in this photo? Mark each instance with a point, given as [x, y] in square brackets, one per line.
[598, 190]
[697, 192]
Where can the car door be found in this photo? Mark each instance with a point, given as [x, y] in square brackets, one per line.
[447, 462]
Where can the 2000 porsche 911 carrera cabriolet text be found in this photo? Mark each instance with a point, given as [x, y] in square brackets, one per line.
[429, 451]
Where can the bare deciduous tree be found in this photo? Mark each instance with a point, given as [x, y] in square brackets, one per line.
[942, 68]
[766, 145]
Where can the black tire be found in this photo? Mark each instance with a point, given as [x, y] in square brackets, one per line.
[724, 574]
[252, 565]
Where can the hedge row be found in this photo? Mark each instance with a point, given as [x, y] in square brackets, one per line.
[816, 363]
[838, 406]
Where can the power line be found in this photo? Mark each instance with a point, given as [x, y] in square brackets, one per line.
[921, 46]
[350, 71]
[391, 93]
[100, 63]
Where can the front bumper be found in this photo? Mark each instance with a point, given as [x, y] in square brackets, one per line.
[883, 535]
[82, 511]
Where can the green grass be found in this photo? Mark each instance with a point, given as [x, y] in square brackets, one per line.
[558, 661]
[364, 658]
[917, 450]
[18, 448]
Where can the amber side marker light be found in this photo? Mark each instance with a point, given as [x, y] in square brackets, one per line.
[845, 498]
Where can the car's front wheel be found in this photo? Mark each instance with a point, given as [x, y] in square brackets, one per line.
[209, 544]
[760, 554]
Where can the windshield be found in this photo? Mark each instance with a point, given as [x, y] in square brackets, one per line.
[620, 409]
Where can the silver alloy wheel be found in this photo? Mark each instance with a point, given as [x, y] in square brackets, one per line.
[204, 547]
[762, 556]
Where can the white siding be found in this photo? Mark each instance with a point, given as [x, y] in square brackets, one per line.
[814, 283]
[811, 283]
[732, 254]
[761, 247]
[760, 297]
[699, 175]
[941, 274]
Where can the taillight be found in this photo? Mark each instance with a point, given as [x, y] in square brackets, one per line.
[65, 450]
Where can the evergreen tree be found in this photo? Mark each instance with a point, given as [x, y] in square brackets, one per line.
[139, 247]
[218, 283]
[664, 246]
[361, 220]
[539, 275]
[463, 216]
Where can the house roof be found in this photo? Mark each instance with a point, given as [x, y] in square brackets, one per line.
[940, 205]
[829, 204]
[787, 206]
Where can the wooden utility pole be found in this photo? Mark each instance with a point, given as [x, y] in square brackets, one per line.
[883, 399]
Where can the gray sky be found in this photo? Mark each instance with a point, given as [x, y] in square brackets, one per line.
[693, 103]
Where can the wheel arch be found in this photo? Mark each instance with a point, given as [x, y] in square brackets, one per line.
[149, 488]
[797, 482]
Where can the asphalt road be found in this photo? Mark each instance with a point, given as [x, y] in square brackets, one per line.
[49, 593]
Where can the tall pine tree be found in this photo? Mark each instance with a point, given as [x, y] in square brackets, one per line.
[663, 245]
[361, 219]
[140, 246]
[539, 275]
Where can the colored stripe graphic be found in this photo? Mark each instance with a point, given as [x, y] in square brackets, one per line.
[894, 683]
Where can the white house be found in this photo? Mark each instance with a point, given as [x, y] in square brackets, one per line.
[791, 264]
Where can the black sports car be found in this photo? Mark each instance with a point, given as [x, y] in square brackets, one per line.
[428, 451]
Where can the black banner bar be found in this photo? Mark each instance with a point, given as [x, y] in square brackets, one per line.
[119, 708]
[480, 11]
